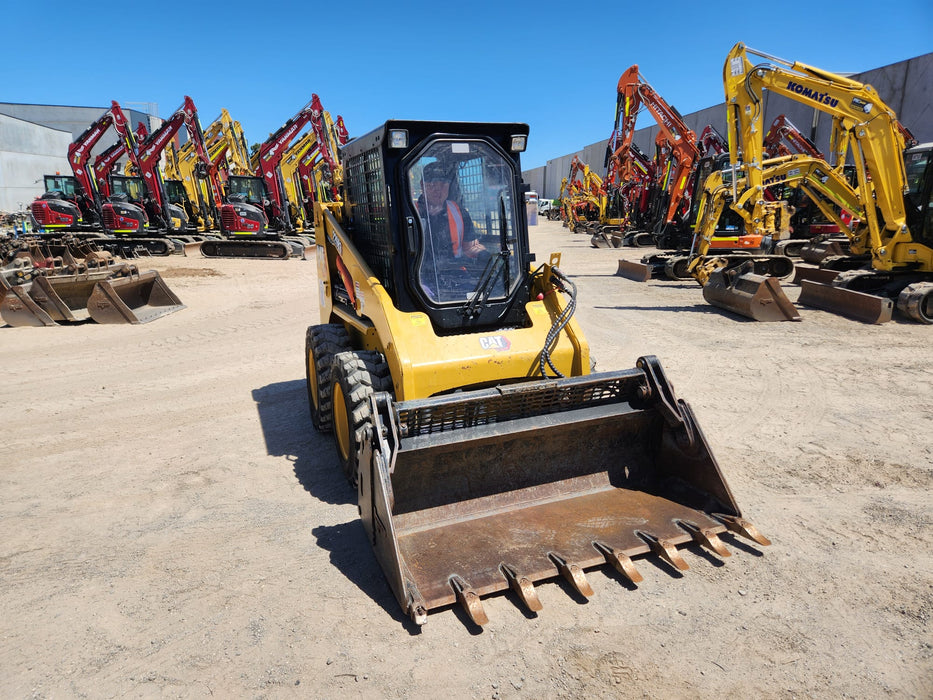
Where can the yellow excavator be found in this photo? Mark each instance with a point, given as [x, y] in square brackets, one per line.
[891, 231]
[458, 386]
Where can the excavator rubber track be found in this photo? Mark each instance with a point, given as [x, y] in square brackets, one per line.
[483, 491]
[139, 247]
[263, 250]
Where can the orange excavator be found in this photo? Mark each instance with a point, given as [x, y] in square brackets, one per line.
[676, 142]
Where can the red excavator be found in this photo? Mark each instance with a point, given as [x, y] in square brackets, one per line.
[87, 209]
[255, 218]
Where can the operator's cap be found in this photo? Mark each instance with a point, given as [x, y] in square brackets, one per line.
[434, 172]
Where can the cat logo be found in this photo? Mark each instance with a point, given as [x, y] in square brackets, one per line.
[495, 342]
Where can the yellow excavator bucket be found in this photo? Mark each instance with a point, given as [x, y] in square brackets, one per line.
[482, 491]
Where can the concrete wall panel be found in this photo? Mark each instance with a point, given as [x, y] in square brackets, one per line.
[27, 152]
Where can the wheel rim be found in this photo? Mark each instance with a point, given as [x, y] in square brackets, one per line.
[341, 423]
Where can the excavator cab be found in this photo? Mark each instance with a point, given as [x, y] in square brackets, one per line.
[919, 197]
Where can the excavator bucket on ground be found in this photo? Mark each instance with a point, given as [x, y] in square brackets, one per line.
[137, 298]
[48, 300]
[483, 491]
[748, 294]
[867, 308]
[606, 239]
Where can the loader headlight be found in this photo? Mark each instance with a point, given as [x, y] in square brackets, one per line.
[519, 141]
[398, 138]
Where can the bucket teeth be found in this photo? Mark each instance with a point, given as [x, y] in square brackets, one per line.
[742, 527]
[705, 537]
[417, 608]
[573, 573]
[470, 601]
[523, 588]
[621, 562]
[666, 550]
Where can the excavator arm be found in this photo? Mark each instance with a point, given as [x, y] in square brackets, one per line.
[782, 129]
[633, 93]
[863, 124]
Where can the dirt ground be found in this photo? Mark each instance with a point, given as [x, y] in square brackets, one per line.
[172, 526]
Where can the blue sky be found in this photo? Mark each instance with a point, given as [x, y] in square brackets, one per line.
[552, 65]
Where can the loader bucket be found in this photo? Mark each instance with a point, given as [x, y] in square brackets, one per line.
[634, 271]
[867, 308]
[139, 298]
[754, 296]
[479, 492]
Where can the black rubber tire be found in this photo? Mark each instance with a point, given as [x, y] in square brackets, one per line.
[355, 376]
[321, 344]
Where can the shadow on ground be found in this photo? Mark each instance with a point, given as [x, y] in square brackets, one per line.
[287, 430]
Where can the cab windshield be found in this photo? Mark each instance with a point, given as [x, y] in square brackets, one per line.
[132, 187]
[463, 194]
[60, 183]
[250, 188]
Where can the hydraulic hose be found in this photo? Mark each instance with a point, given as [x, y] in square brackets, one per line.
[560, 282]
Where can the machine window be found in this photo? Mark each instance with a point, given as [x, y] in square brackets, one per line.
[463, 194]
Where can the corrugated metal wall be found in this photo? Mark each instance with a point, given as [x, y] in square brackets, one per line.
[906, 87]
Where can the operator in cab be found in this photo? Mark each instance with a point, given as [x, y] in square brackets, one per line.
[449, 231]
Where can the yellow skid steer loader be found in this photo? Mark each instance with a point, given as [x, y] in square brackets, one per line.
[458, 387]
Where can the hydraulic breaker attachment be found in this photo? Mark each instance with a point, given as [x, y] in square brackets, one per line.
[748, 294]
[268, 250]
[473, 493]
[867, 308]
[137, 298]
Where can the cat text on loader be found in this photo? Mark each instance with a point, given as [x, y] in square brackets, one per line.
[457, 385]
